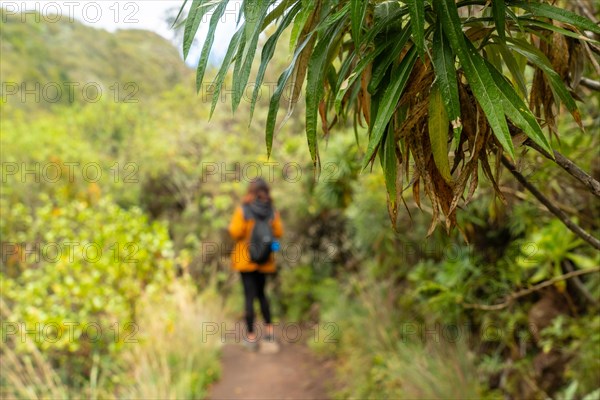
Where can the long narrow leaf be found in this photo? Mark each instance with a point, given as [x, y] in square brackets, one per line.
[219, 79]
[387, 157]
[556, 83]
[278, 12]
[300, 21]
[198, 9]
[515, 68]
[255, 15]
[416, 9]
[390, 56]
[267, 54]
[208, 42]
[527, 22]
[482, 84]
[358, 9]
[394, 16]
[518, 112]
[541, 9]
[443, 64]
[388, 103]
[276, 97]
[179, 13]
[499, 11]
[314, 85]
[365, 60]
[438, 132]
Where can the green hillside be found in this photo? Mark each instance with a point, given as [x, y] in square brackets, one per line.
[53, 54]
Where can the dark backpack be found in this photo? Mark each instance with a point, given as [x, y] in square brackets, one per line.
[261, 238]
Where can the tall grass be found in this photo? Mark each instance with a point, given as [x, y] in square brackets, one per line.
[174, 359]
[26, 374]
[378, 360]
[168, 360]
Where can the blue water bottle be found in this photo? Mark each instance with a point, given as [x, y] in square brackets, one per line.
[275, 246]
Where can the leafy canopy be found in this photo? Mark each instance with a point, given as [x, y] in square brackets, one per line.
[443, 86]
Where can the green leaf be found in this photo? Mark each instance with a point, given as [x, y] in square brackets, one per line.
[438, 132]
[499, 11]
[365, 60]
[274, 103]
[387, 157]
[392, 55]
[389, 100]
[443, 64]
[208, 42]
[518, 112]
[416, 10]
[300, 21]
[391, 17]
[278, 12]
[515, 68]
[197, 11]
[179, 13]
[220, 78]
[254, 14]
[314, 83]
[358, 10]
[527, 22]
[558, 14]
[482, 84]
[556, 83]
[268, 51]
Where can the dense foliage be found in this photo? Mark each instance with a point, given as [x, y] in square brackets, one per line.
[444, 87]
[386, 304]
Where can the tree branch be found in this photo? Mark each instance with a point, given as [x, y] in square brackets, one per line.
[513, 296]
[578, 284]
[570, 167]
[590, 84]
[564, 218]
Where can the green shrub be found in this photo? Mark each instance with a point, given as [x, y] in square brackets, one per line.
[74, 273]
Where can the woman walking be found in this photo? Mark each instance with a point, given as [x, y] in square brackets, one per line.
[255, 226]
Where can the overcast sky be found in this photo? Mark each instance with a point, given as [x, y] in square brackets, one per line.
[127, 14]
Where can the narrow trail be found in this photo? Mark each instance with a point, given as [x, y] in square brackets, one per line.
[292, 373]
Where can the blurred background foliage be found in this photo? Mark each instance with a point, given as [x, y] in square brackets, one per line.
[398, 312]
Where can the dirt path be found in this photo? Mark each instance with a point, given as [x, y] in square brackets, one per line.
[292, 373]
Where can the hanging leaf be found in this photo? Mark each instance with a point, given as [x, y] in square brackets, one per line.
[281, 9]
[477, 74]
[197, 11]
[391, 55]
[438, 132]
[516, 69]
[274, 103]
[358, 10]
[387, 157]
[300, 21]
[314, 87]
[220, 78]
[365, 60]
[416, 9]
[538, 58]
[388, 103]
[208, 42]
[443, 64]
[267, 54]
[499, 11]
[516, 109]
[254, 13]
[559, 14]
[179, 13]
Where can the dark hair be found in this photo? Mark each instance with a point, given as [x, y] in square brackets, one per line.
[258, 189]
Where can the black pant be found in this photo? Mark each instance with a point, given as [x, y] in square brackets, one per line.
[254, 286]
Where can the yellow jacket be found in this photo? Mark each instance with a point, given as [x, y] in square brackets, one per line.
[240, 230]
